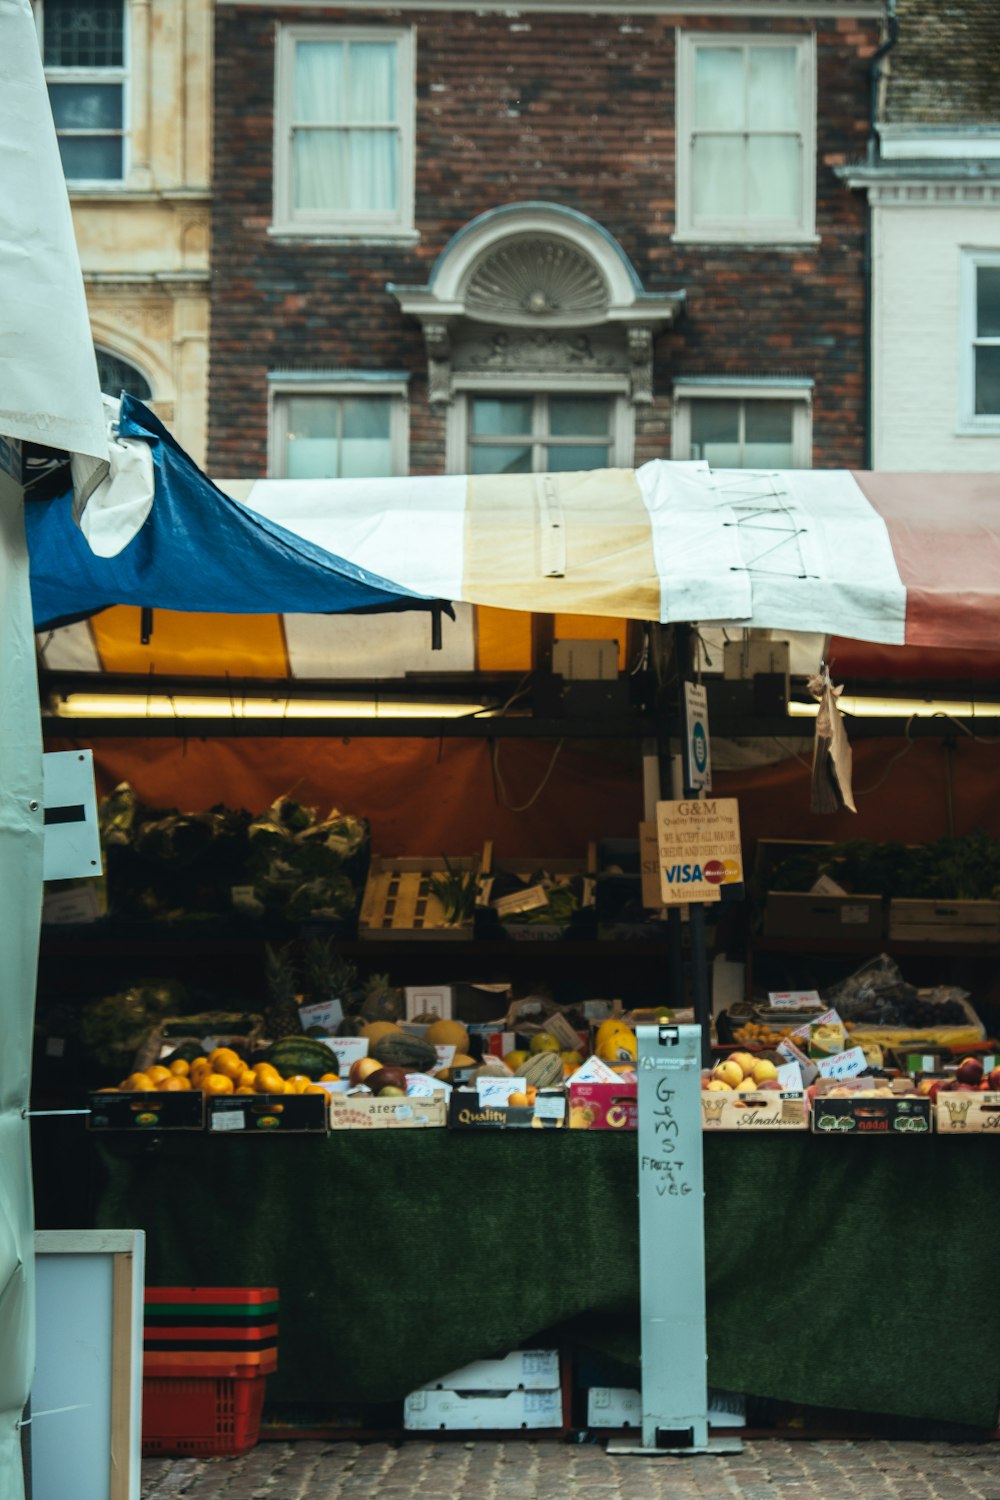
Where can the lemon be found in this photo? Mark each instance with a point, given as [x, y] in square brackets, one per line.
[515, 1060]
[543, 1042]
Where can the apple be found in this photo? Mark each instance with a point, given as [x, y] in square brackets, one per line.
[994, 1080]
[969, 1070]
[744, 1061]
[763, 1068]
[391, 1092]
[386, 1078]
[718, 1086]
[769, 1083]
[729, 1072]
[361, 1068]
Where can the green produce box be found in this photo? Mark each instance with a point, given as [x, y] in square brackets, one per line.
[263, 1114]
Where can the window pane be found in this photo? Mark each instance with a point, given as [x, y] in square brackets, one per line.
[717, 171]
[116, 375]
[774, 178]
[502, 416]
[715, 432]
[86, 106]
[578, 416]
[320, 181]
[988, 301]
[567, 457]
[372, 170]
[988, 381]
[772, 97]
[319, 83]
[500, 459]
[718, 88]
[768, 427]
[91, 158]
[366, 451]
[313, 437]
[372, 74]
[83, 35]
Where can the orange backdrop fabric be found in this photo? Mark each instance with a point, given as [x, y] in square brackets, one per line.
[421, 797]
[426, 798]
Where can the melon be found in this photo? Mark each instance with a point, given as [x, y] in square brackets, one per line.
[398, 1049]
[376, 1030]
[448, 1034]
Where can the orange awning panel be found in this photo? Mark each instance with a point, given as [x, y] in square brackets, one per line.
[191, 645]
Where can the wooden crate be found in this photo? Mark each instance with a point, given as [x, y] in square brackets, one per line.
[944, 921]
[583, 923]
[398, 901]
[804, 915]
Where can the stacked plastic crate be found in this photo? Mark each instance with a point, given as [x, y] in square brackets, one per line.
[207, 1352]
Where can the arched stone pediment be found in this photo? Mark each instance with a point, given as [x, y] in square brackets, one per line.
[554, 274]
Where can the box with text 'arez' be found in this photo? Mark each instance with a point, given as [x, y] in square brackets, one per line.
[603, 1106]
[265, 1113]
[467, 1111]
[967, 1114]
[113, 1110]
[765, 1109]
[481, 1411]
[367, 1112]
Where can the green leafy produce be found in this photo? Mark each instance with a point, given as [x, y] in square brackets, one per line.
[456, 890]
[952, 869]
[112, 1028]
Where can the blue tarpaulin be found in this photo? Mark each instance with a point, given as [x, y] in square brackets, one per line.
[197, 550]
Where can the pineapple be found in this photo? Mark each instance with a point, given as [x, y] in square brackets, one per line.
[281, 1014]
[383, 1001]
[328, 976]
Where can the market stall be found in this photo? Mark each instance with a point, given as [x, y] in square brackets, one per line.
[362, 1215]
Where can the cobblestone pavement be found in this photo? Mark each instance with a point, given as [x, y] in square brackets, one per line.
[527, 1470]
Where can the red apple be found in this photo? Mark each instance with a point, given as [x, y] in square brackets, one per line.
[360, 1070]
[994, 1080]
[386, 1078]
[969, 1070]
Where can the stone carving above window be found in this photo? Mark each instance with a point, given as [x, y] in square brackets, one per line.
[535, 288]
[538, 278]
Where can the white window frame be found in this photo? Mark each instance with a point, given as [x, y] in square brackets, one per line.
[799, 393]
[457, 445]
[96, 75]
[971, 423]
[739, 230]
[291, 221]
[283, 386]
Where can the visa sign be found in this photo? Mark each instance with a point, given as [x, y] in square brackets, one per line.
[698, 844]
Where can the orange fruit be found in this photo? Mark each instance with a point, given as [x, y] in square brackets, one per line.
[517, 1097]
[314, 1088]
[138, 1083]
[267, 1080]
[171, 1084]
[246, 1080]
[300, 1081]
[180, 1066]
[329, 1078]
[244, 1089]
[157, 1072]
[227, 1062]
[218, 1083]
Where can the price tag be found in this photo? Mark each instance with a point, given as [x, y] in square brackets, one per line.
[594, 1071]
[424, 1086]
[328, 1015]
[445, 1055]
[794, 999]
[790, 1078]
[230, 1119]
[336, 1086]
[845, 1065]
[824, 886]
[807, 1069]
[532, 899]
[346, 1049]
[828, 1018]
[550, 1106]
[498, 1090]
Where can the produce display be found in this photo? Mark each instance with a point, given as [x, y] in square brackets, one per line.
[966, 868]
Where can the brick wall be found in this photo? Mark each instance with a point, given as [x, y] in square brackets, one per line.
[576, 110]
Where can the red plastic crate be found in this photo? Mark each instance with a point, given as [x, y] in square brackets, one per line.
[191, 1414]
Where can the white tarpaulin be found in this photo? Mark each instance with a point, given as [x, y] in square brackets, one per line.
[49, 390]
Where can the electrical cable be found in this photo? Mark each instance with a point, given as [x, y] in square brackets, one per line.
[503, 797]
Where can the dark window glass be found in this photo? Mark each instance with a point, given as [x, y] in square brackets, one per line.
[87, 35]
[117, 375]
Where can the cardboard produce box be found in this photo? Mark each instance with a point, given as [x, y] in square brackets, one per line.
[967, 1114]
[766, 1109]
[466, 1112]
[863, 1113]
[146, 1111]
[263, 1114]
[944, 921]
[365, 1112]
[806, 915]
[603, 1106]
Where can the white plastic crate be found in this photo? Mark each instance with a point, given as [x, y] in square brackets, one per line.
[522, 1369]
[481, 1411]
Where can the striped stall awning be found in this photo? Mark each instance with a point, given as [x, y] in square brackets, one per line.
[898, 559]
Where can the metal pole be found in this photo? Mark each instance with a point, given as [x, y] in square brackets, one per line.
[701, 989]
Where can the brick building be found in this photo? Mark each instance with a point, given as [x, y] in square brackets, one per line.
[463, 239]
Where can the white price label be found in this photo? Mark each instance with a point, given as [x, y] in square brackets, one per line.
[445, 1055]
[845, 1065]
[328, 1015]
[790, 1078]
[794, 999]
[550, 1106]
[498, 1090]
[346, 1049]
[230, 1119]
[594, 1071]
[423, 1086]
